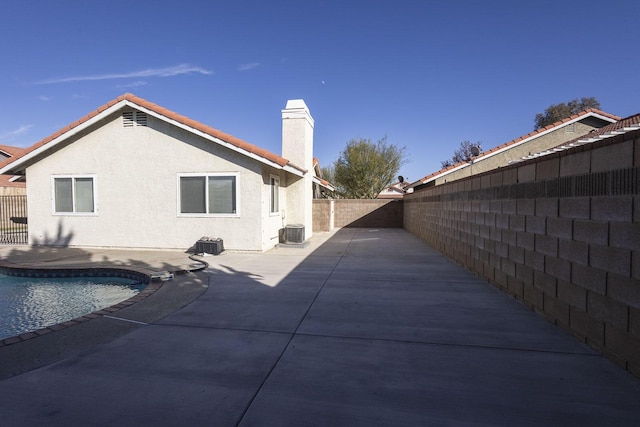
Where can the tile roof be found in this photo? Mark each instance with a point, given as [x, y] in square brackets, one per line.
[621, 127]
[318, 176]
[12, 152]
[590, 111]
[129, 98]
[5, 181]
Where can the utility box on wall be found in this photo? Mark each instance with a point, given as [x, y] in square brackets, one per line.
[207, 245]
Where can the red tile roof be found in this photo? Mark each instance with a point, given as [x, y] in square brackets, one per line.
[522, 138]
[5, 181]
[628, 124]
[318, 175]
[13, 152]
[621, 124]
[230, 139]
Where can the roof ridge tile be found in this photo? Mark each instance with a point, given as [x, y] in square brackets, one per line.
[225, 137]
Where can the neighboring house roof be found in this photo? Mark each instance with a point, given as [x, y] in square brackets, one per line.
[324, 183]
[11, 151]
[628, 124]
[317, 178]
[393, 191]
[8, 181]
[30, 155]
[7, 152]
[591, 112]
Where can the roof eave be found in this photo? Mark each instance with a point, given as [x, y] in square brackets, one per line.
[286, 167]
[24, 161]
[434, 177]
[536, 135]
[547, 131]
[324, 184]
[587, 139]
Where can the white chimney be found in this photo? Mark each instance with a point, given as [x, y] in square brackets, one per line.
[297, 134]
[297, 147]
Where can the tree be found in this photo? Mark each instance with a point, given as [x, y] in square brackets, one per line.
[364, 168]
[328, 174]
[556, 112]
[463, 154]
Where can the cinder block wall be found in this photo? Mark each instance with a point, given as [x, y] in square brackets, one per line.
[364, 213]
[321, 215]
[560, 233]
[368, 213]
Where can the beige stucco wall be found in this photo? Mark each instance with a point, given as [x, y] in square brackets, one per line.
[136, 173]
[544, 142]
[273, 222]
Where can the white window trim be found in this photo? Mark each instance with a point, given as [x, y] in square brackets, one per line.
[73, 189]
[277, 212]
[208, 215]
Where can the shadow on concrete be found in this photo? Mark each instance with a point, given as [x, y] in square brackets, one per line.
[371, 327]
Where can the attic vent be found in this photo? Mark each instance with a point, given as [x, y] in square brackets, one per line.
[134, 118]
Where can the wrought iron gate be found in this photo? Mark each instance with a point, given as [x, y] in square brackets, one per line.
[13, 220]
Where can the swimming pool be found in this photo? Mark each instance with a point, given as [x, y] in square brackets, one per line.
[28, 304]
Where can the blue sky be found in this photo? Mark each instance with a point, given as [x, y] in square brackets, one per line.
[427, 74]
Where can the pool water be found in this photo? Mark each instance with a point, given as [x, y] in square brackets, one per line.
[28, 304]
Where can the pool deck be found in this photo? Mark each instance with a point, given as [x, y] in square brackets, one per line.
[357, 327]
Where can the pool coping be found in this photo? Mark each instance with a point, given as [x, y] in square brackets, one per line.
[154, 280]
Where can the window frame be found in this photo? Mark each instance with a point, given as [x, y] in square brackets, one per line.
[74, 177]
[206, 175]
[272, 179]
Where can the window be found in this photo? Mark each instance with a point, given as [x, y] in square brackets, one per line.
[274, 183]
[74, 194]
[210, 194]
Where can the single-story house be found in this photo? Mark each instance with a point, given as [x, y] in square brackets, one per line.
[132, 174]
[394, 191]
[542, 139]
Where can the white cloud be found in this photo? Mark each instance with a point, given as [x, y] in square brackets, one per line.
[249, 66]
[44, 98]
[134, 84]
[17, 132]
[151, 72]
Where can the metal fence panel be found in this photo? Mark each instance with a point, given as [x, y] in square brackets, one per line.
[13, 220]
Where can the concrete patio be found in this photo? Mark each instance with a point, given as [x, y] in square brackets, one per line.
[359, 327]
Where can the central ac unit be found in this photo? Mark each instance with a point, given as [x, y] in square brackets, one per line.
[207, 245]
[294, 233]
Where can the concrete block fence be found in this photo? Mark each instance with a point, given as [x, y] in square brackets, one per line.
[560, 233]
[363, 213]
